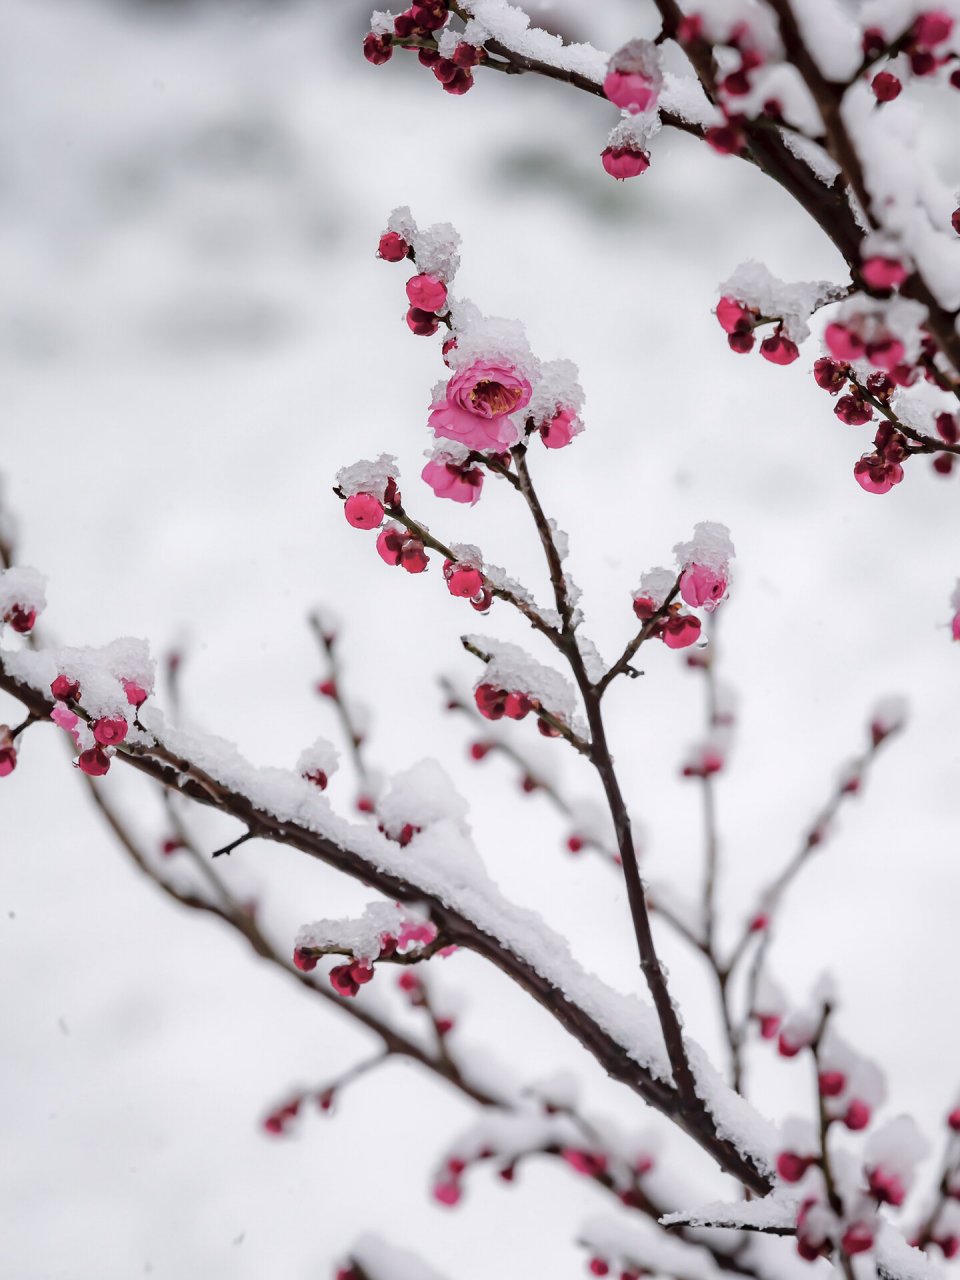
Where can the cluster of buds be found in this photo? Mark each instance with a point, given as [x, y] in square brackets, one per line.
[427, 294]
[676, 629]
[743, 56]
[738, 321]
[397, 547]
[865, 336]
[418, 28]
[633, 83]
[921, 46]
[278, 1121]
[494, 703]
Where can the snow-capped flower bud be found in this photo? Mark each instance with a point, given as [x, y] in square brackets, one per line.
[377, 49]
[94, 762]
[886, 1186]
[343, 980]
[22, 618]
[110, 730]
[426, 292]
[779, 349]
[363, 511]
[634, 79]
[423, 323]
[65, 690]
[467, 55]
[883, 273]
[393, 247]
[886, 86]
[624, 162]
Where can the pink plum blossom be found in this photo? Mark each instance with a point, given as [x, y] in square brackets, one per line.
[363, 511]
[478, 405]
[453, 480]
[427, 293]
[560, 430]
[701, 587]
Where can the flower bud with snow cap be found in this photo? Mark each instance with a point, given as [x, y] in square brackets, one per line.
[634, 79]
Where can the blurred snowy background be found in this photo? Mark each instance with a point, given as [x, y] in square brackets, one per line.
[194, 334]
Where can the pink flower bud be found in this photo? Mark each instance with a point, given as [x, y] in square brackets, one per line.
[883, 273]
[516, 706]
[885, 86]
[769, 1025]
[734, 316]
[759, 923]
[560, 430]
[479, 750]
[65, 690]
[932, 28]
[447, 1193]
[467, 55]
[829, 375]
[110, 730]
[363, 511]
[21, 618]
[343, 981]
[456, 481]
[779, 349]
[483, 601]
[463, 580]
[377, 49]
[598, 1267]
[726, 139]
[392, 247]
[624, 162]
[680, 630]
[741, 342]
[955, 221]
[136, 694]
[305, 962]
[701, 587]
[843, 343]
[574, 844]
[413, 558]
[886, 1187]
[857, 1238]
[857, 1115]
[791, 1167]
[630, 91]
[853, 410]
[427, 293]
[589, 1163]
[953, 1120]
[490, 701]
[94, 763]
[831, 1083]
[423, 323]
[8, 753]
[876, 476]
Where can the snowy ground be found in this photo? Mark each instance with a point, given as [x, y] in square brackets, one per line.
[195, 335]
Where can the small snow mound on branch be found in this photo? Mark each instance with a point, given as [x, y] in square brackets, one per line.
[321, 757]
[101, 672]
[368, 477]
[467, 553]
[22, 587]
[683, 96]
[436, 247]
[510, 26]
[511, 667]
[754, 284]
[558, 388]
[776, 1210]
[895, 1257]
[656, 584]
[362, 936]
[832, 37]
[381, 1260]
[420, 797]
[896, 1149]
[381, 23]
[638, 1247]
[709, 547]
[816, 158]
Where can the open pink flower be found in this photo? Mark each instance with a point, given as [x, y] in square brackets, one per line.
[454, 480]
[478, 404]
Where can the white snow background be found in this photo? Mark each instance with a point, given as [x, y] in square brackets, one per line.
[195, 335]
